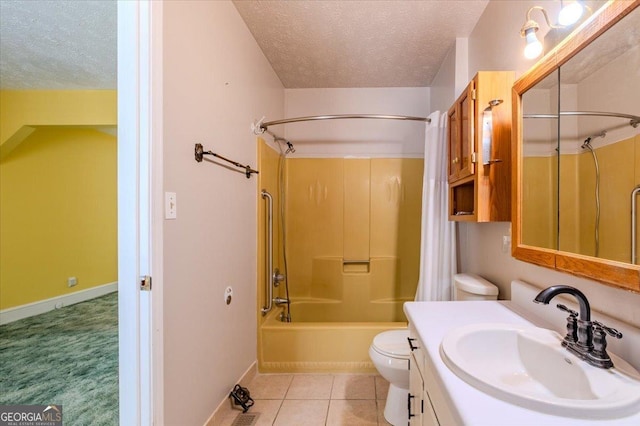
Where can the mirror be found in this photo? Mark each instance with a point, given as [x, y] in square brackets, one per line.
[577, 156]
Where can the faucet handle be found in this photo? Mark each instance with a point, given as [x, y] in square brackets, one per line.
[570, 311]
[571, 337]
[610, 331]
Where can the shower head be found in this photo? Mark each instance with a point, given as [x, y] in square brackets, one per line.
[290, 148]
[587, 142]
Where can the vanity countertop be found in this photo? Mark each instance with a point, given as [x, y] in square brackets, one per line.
[432, 321]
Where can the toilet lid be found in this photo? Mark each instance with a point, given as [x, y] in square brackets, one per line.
[392, 343]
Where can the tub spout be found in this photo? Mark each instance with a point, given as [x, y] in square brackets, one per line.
[280, 300]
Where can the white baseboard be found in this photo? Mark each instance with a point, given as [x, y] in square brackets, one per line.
[40, 307]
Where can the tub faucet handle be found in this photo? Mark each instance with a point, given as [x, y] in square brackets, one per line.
[277, 277]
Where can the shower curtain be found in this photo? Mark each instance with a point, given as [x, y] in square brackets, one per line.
[438, 242]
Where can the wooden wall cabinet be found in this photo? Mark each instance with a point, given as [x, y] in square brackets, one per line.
[479, 149]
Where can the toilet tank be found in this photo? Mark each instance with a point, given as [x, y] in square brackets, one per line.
[473, 287]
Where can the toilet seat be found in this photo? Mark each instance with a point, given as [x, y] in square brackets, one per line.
[392, 343]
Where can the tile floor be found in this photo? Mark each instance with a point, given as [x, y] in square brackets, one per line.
[317, 399]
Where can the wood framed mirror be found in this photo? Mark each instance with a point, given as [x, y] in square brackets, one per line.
[576, 152]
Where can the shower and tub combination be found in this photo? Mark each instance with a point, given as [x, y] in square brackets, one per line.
[343, 233]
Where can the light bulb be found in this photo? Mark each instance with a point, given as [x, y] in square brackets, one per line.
[533, 49]
[570, 13]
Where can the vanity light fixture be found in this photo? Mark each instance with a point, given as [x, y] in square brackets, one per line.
[569, 14]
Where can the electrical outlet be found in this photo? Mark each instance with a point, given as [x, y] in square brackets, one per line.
[72, 281]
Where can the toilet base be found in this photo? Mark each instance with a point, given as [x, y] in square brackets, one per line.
[395, 409]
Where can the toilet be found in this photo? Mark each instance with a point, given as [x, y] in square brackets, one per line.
[390, 351]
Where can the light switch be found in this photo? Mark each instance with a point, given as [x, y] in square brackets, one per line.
[170, 211]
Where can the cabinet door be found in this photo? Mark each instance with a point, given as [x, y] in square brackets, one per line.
[416, 392]
[453, 140]
[466, 107]
[429, 417]
[461, 121]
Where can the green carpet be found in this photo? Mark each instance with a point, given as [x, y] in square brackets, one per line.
[68, 356]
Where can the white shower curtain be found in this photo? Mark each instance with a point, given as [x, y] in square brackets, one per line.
[438, 242]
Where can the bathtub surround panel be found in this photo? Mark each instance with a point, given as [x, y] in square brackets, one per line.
[268, 159]
[353, 244]
[539, 186]
[618, 176]
[315, 217]
[365, 211]
[396, 215]
[357, 211]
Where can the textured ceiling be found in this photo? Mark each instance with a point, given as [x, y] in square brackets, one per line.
[72, 44]
[358, 43]
[58, 44]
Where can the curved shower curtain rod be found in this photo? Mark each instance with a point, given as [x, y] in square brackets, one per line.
[634, 120]
[266, 124]
[263, 127]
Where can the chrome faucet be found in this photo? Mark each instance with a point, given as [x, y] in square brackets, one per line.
[580, 329]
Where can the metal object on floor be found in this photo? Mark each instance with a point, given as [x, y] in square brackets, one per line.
[241, 397]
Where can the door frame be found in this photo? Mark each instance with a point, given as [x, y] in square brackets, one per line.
[140, 212]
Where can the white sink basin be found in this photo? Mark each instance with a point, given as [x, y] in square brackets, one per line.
[527, 366]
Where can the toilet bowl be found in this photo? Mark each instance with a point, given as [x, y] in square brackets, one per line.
[390, 352]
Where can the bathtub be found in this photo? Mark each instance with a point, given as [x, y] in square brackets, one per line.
[325, 336]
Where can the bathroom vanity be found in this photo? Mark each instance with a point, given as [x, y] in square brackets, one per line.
[439, 396]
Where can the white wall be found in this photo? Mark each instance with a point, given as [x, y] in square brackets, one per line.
[216, 83]
[495, 44]
[358, 137]
[452, 77]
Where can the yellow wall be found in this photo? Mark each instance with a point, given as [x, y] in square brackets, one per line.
[57, 193]
[58, 214]
[21, 110]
